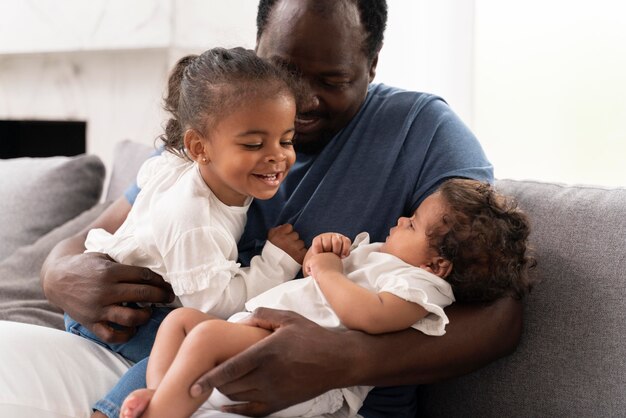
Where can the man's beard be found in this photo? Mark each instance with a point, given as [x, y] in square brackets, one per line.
[314, 146]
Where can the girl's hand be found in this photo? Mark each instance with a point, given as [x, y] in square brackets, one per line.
[288, 240]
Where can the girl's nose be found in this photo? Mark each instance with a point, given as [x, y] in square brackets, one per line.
[275, 157]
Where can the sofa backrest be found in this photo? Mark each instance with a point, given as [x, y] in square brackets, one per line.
[571, 360]
[127, 158]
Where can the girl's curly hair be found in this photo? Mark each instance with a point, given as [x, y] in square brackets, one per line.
[485, 236]
[203, 88]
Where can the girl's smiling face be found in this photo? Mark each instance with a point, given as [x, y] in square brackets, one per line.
[250, 151]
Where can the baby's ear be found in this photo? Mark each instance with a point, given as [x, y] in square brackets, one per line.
[441, 267]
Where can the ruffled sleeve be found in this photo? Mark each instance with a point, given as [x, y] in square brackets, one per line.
[200, 269]
[203, 275]
[424, 288]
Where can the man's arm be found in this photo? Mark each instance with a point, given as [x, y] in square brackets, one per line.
[91, 287]
[301, 360]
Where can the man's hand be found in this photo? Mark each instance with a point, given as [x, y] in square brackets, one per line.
[288, 240]
[91, 287]
[299, 361]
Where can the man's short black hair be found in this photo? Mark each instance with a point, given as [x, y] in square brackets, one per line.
[373, 15]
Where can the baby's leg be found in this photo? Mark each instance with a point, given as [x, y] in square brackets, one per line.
[207, 345]
[173, 330]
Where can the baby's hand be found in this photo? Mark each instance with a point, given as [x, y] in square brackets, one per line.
[331, 242]
[288, 240]
[317, 264]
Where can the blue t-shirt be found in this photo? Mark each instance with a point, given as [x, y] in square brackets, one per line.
[398, 148]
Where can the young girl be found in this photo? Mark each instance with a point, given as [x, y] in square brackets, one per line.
[464, 237]
[229, 139]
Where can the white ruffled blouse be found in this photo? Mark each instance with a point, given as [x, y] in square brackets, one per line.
[179, 229]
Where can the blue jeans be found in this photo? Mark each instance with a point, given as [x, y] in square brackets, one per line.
[137, 350]
[134, 378]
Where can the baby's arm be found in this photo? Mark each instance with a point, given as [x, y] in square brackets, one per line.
[357, 307]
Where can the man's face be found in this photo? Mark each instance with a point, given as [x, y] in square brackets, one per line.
[326, 49]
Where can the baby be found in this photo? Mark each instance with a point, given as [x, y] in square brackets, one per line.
[464, 241]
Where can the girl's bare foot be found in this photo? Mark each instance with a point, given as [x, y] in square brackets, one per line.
[136, 403]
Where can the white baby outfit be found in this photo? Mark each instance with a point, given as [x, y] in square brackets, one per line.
[179, 229]
[375, 271]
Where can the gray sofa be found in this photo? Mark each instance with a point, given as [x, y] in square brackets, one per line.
[571, 360]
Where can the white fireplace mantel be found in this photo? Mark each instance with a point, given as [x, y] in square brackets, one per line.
[44, 26]
[106, 62]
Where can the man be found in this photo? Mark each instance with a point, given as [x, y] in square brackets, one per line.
[367, 154]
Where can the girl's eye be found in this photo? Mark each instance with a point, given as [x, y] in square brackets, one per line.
[287, 143]
[252, 146]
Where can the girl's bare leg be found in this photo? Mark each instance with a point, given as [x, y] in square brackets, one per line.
[172, 332]
[208, 344]
[170, 336]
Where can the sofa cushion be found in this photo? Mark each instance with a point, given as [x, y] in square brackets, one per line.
[571, 360]
[127, 158]
[39, 194]
[21, 296]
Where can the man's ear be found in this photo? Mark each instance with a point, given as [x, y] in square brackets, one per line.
[372, 72]
[194, 144]
[441, 267]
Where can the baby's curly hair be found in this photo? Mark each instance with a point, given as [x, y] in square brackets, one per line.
[485, 236]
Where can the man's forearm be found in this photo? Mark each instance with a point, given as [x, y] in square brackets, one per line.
[109, 220]
[475, 337]
[68, 247]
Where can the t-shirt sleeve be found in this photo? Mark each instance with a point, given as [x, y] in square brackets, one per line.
[131, 193]
[427, 290]
[454, 151]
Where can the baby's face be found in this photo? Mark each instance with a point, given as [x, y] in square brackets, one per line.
[409, 241]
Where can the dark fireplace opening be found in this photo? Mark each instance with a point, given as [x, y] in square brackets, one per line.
[40, 138]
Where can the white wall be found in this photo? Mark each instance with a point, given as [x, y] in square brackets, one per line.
[550, 89]
[429, 47]
[106, 61]
[540, 82]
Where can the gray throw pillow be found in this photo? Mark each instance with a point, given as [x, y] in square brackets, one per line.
[21, 296]
[39, 194]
